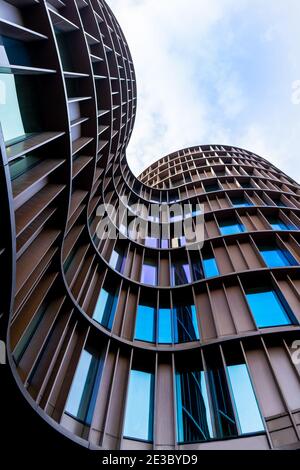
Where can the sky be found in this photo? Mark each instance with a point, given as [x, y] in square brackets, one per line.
[214, 72]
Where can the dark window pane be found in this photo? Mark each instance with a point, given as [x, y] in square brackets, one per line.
[240, 202]
[209, 188]
[197, 270]
[193, 412]
[245, 401]
[30, 331]
[145, 323]
[278, 224]
[180, 273]
[185, 324]
[267, 308]
[139, 406]
[222, 407]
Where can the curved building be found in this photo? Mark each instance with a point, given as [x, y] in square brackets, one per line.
[136, 340]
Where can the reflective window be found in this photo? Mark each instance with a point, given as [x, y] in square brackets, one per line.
[240, 202]
[275, 257]
[151, 242]
[164, 243]
[145, 323]
[279, 203]
[246, 184]
[197, 270]
[165, 326]
[139, 406]
[83, 393]
[209, 188]
[185, 324]
[244, 399]
[278, 224]
[210, 267]
[105, 308]
[221, 402]
[10, 114]
[230, 226]
[149, 272]
[117, 260]
[194, 422]
[181, 273]
[267, 308]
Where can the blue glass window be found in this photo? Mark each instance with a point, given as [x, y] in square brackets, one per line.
[145, 323]
[181, 273]
[185, 324]
[149, 273]
[278, 224]
[267, 308]
[194, 421]
[83, 393]
[117, 260]
[105, 308]
[210, 267]
[139, 406]
[230, 226]
[275, 257]
[244, 399]
[279, 203]
[165, 326]
[240, 202]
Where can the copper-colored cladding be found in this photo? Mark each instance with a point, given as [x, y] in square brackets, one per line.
[50, 212]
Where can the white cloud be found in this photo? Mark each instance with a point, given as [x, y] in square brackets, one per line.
[214, 72]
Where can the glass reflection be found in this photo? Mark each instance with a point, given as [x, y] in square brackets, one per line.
[145, 323]
[210, 267]
[83, 392]
[267, 308]
[194, 421]
[180, 273]
[139, 406]
[275, 257]
[245, 401]
[165, 326]
[185, 324]
[105, 308]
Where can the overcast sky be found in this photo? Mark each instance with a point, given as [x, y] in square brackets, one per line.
[215, 71]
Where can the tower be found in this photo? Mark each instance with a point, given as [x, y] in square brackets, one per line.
[136, 342]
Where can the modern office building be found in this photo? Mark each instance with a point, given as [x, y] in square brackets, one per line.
[133, 342]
